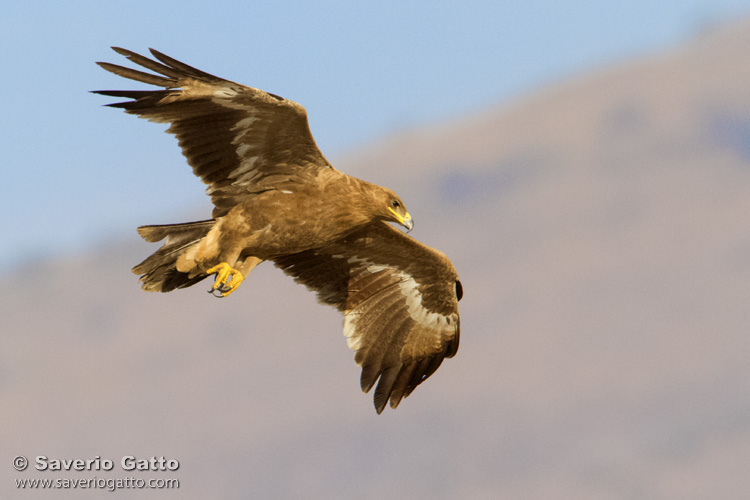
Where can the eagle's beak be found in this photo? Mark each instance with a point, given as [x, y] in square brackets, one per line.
[405, 221]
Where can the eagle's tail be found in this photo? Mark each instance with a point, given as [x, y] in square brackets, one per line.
[159, 271]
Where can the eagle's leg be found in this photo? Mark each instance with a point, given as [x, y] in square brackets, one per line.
[228, 278]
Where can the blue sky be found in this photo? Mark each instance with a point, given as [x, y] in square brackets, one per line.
[77, 174]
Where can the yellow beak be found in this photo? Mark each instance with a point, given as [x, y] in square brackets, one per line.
[405, 221]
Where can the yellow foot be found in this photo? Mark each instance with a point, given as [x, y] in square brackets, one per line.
[227, 279]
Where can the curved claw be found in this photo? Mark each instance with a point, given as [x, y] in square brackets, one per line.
[218, 295]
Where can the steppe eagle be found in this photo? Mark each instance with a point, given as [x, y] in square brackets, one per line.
[277, 198]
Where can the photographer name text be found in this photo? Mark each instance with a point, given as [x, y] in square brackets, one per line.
[127, 463]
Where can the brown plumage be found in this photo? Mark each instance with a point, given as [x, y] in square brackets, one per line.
[277, 198]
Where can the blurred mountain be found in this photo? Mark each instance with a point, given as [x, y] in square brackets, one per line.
[601, 230]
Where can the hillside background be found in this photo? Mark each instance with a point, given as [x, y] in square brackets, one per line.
[600, 227]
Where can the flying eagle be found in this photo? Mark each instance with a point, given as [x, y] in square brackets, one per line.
[277, 198]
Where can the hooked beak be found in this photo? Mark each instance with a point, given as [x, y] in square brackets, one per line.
[405, 221]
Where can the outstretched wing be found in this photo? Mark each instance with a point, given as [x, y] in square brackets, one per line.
[400, 304]
[238, 139]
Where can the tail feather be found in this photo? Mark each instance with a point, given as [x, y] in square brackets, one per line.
[159, 272]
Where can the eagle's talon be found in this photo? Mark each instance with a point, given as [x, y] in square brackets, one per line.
[218, 296]
[227, 279]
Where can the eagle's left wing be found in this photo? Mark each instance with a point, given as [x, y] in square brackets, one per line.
[400, 304]
[238, 139]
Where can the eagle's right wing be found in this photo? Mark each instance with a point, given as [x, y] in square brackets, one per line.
[400, 304]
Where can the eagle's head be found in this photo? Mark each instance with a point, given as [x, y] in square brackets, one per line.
[393, 209]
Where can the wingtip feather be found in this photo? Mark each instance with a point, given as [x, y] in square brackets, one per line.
[121, 51]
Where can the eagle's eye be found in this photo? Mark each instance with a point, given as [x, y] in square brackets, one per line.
[459, 290]
[395, 204]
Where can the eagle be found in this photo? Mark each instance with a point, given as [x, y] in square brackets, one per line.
[277, 198]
